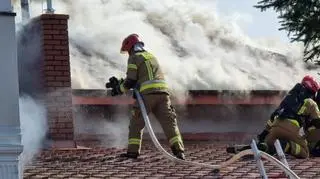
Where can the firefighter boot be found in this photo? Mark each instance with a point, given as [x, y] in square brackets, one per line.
[315, 151]
[133, 155]
[178, 153]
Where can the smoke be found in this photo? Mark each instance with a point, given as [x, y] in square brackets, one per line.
[109, 126]
[33, 118]
[33, 124]
[197, 48]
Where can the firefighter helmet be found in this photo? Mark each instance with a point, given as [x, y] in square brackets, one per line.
[129, 42]
[310, 83]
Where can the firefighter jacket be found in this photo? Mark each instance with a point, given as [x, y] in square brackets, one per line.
[144, 74]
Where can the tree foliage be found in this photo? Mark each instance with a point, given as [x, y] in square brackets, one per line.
[301, 19]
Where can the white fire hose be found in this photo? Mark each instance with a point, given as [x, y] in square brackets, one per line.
[216, 168]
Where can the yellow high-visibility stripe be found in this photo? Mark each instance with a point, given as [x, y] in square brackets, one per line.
[134, 141]
[175, 140]
[147, 56]
[153, 85]
[303, 107]
[298, 149]
[287, 147]
[122, 88]
[294, 122]
[132, 66]
[149, 69]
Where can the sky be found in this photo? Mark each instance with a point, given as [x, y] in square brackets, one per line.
[255, 23]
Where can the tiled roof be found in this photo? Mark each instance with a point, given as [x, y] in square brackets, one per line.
[103, 162]
[195, 97]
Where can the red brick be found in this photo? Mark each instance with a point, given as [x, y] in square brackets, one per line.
[67, 83]
[63, 111]
[56, 93]
[53, 130]
[47, 37]
[60, 125]
[63, 22]
[53, 63]
[53, 52]
[52, 42]
[69, 136]
[60, 37]
[60, 47]
[52, 109]
[66, 130]
[63, 119]
[50, 78]
[62, 68]
[56, 115]
[51, 32]
[67, 92]
[62, 78]
[63, 99]
[51, 89]
[48, 48]
[48, 57]
[65, 52]
[55, 83]
[67, 73]
[51, 100]
[49, 68]
[47, 27]
[63, 58]
[66, 63]
[64, 32]
[54, 16]
[53, 73]
[50, 21]
[69, 125]
[60, 27]
[68, 104]
[65, 42]
[58, 135]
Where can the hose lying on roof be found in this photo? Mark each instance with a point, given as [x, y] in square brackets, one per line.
[215, 168]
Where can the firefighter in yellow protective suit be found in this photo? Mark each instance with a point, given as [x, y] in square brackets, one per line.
[313, 138]
[313, 134]
[144, 74]
[291, 120]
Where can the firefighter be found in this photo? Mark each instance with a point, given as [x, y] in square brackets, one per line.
[145, 74]
[313, 134]
[290, 120]
[313, 138]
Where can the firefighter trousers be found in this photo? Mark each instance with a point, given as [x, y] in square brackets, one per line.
[160, 105]
[288, 134]
[313, 138]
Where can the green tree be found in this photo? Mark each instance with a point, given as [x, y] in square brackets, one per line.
[301, 19]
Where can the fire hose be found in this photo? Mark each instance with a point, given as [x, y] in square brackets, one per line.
[216, 168]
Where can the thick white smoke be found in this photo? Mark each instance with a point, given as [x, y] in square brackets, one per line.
[111, 132]
[33, 128]
[197, 48]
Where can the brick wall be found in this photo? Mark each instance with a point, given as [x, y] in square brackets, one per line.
[56, 75]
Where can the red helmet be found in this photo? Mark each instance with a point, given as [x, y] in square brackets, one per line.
[310, 83]
[129, 42]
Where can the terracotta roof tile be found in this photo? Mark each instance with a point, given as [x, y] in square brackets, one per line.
[99, 162]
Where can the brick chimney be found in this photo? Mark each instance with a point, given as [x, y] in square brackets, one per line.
[57, 77]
